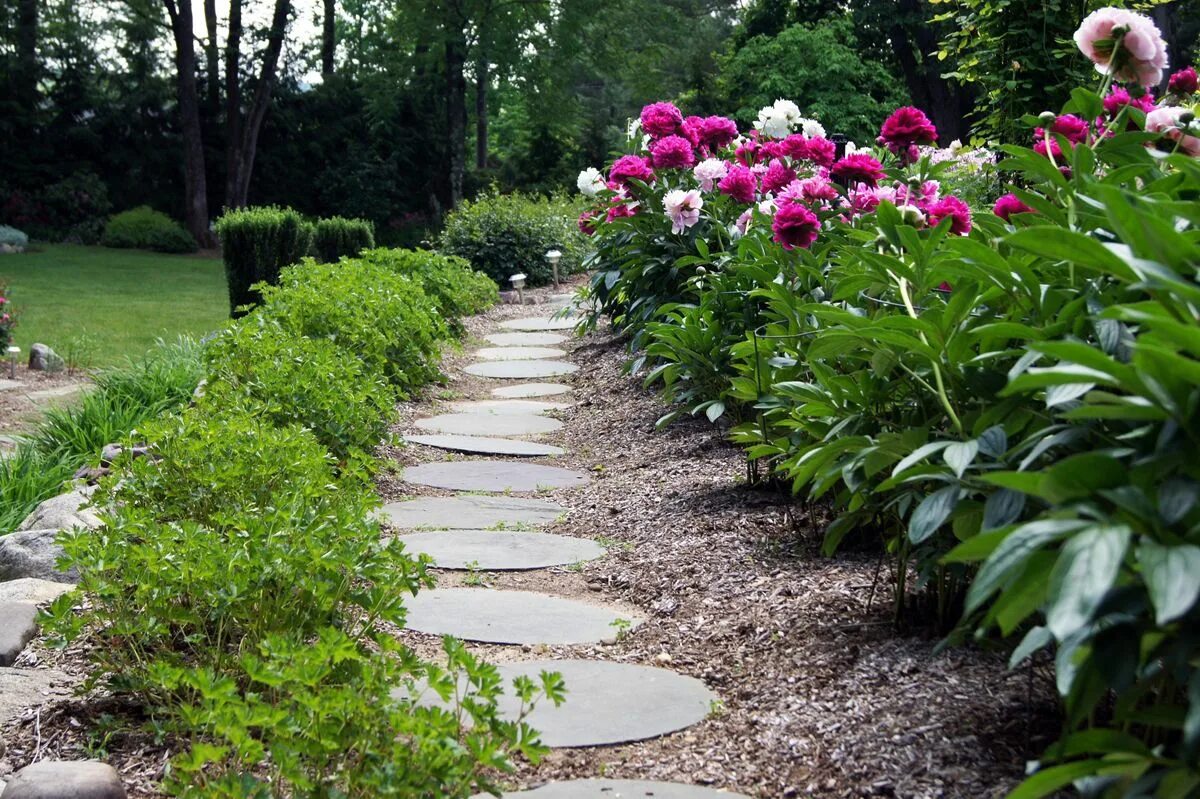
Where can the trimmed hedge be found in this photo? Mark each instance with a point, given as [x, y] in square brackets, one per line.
[338, 237]
[143, 228]
[257, 244]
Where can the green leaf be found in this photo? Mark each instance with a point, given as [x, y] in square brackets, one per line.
[1012, 553]
[993, 442]
[1172, 575]
[1035, 639]
[1176, 497]
[920, 453]
[1047, 781]
[1057, 244]
[1084, 574]
[1002, 508]
[932, 513]
[960, 454]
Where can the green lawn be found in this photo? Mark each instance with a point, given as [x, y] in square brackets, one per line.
[120, 300]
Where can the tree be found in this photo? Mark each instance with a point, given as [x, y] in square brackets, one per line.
[195, 183]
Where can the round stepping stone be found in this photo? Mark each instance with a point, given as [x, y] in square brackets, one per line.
[530, 390]
[508, 406]
[511, 617]
[486, 445]
[525, 339]
[618, 789]
[520, 370]
[519, 353]
[606, 703]
[541, 323]
[499, 550]
[470, 513]
[488, 424]
[492, 476]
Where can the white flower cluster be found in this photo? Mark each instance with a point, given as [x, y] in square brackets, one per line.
[590, 182]
[782, 118]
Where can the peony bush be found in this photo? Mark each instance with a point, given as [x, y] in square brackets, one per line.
[985, 364]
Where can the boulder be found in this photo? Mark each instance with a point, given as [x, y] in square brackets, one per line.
[65, 779]
[22, 689]
[31, 589]
[18, 626]
[33, 553]
[44, 359]
[63, 512]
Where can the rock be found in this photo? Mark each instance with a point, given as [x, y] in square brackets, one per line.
[18, 626]
[112, 452]
[29, 589]
[21, 689]
[65, 779]
[63, 512]
[33, 553]
[44, 359]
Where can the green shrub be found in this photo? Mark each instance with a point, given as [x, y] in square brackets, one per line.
[13, 237]
[503, 234]
[143, 228]
[291, 379]
[384, 318]
[457, 289]
[257, 243]
[336, 237]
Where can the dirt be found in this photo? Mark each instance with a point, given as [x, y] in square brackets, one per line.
[21, 405]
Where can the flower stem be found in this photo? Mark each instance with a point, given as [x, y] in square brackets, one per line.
[937, 371]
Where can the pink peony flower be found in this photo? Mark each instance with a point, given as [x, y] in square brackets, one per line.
[661, 119]
[1166, 121]
[749, 152]
[777, 176]
[795, 226]
[682, 208]
[619, 210]
[743, 221]
[817, 189]
[1008, 205]
[709, 171]
[672, 152]
[1054, 148]
[740, 184]
[1070, 126]
[858, 168]
[956, 209]
[1184, 82]
[587, 223]
[690, 129]
[1124, 44]
[717, 132]
[630, 167]
[904, 129]
[1120, 97]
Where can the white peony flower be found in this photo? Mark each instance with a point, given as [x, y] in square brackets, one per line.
[709, 171]
[590, 182]
[634, 128]
[773, 123]
[811, 128]
[788, 109]
[682, 208]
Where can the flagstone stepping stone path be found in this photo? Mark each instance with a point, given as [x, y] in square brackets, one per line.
[512, 617]
[607, 703]
[487, 424]
[501, 550]
[519, 353]
[525, 339]
[530, 390]
[618, 789]
[492, 476]
[485, 445]
[520, 370]
[540, 324]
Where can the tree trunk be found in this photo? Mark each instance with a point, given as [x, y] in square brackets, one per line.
[947, 105]
[481, 109]
[233, 96]
[329, 38]
[195, 185]
[212, 61]
[26, 77]
[456, 114]
[238, 182]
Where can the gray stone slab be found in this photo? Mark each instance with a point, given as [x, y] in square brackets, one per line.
[526, 339]
[65, 779]
[520, 370]
[21, 689]
[519, 353]
[539, 323]
[618, 789]
[470, 513]
[9, 385]
[511, 617]
[492, 476]
[508, 406]
[606, 703]
[486, 445]
[18, 626]
[501, 550]
[530, 390]
[31, 589]
[489, 424]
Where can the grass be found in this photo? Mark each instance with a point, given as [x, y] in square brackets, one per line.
[120, 300]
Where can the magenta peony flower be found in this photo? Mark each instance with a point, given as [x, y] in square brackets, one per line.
[817, 189]
[740, 184]
[858, 168]
[956, 209]
[661, 119]
[1008, 205]
[749, 152]
[690, 129]
[1120, 97]
[1184, 82]
[1166, 120]
[1124, 44]
[795, 226]
[1068, 125]
[672, 152]
[906, 127]
[631, 167]
[1054, 149]
[619, 209]
[717, 132]
[777, 176]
